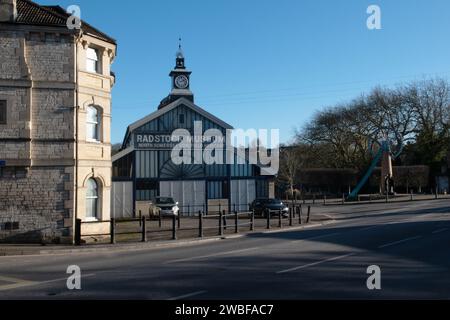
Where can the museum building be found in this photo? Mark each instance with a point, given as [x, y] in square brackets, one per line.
[144, 168]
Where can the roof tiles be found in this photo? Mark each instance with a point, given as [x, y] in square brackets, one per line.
[31, 13]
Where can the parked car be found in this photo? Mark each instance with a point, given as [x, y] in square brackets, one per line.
[167, 206]
[261, 205]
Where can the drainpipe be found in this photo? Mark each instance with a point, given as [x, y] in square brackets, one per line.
[76, 109]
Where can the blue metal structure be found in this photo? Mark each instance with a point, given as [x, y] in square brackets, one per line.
[384, 147]
[366, 177]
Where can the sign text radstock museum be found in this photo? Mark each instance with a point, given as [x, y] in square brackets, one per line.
[155, 141]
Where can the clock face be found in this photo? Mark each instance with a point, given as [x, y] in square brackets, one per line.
[181, 82]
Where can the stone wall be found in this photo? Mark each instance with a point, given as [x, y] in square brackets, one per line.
[10, 57]
[17, 114]
[13, 150]
[32, 204]
[50, 57]
[53, 110]
[36, 186]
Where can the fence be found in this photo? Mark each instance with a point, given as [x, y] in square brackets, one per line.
[367, 198]
[198, 225]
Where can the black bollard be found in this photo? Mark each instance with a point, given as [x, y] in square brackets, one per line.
[220, 223]
[174, 227]
[299, 208]
[144, 230]
[224, 220]
[252, 221]
[290, 215]
[280, 224]
[309, 214]
[78, 232]
[200, 224]
[112, 230]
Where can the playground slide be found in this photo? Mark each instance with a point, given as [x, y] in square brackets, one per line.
[366, 177]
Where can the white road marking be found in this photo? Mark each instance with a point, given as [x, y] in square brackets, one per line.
[10, 279]
[420, 217]
[394, 222]
[398, 242]
[14, 283]
[20, 283]
[318, 237]
[188, 295]
[211, 255]
[63, 279]
[372, 227]
[315, 263]
[439, 230]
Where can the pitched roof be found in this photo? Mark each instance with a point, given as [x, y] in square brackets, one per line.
[171, 106]
[122, 153]
[32, 13]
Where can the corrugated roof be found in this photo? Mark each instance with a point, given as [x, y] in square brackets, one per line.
[32, 13]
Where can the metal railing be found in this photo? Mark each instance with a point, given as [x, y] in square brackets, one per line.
[223, 222]
[342, 198]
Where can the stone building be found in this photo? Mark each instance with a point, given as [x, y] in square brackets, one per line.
[55, 114]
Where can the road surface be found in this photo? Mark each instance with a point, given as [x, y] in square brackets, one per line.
[410, 242]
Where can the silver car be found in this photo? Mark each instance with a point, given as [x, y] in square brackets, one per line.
[167, 206]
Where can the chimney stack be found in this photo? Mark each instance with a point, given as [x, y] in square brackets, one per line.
[8, 10]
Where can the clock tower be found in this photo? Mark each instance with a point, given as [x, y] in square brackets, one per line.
[180, 81]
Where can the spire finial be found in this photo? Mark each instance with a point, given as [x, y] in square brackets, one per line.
[180, 56]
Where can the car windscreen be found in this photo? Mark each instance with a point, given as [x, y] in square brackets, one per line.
[164, 201]
[267, 201]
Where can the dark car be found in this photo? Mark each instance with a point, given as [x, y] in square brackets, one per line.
[274, 205]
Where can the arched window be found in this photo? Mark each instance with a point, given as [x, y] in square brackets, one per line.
[92, 199]
[93, 123]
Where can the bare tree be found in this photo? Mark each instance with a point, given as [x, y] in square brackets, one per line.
[292, 159]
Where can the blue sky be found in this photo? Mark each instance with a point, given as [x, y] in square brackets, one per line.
[266, 63]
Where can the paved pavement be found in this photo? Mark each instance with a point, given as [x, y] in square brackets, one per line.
[408, 241]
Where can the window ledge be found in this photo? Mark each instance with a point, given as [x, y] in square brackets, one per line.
[93, 141]
[95, 73]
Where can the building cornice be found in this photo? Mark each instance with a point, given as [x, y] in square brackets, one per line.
[27, 28]
[20, 83]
